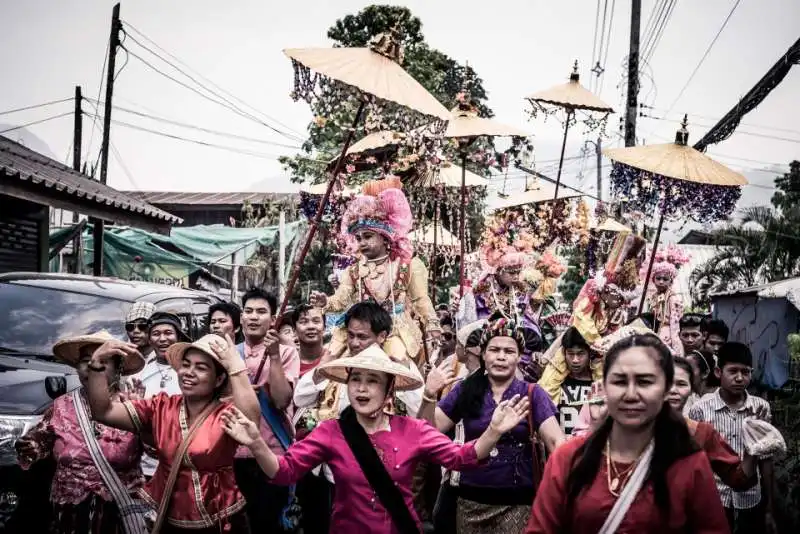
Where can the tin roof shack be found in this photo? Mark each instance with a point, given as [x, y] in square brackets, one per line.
[30, 184]
[763, 317]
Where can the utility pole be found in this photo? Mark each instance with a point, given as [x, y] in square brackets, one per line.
[632, 107]
[598, 151]
[112, 64]
[77, 140]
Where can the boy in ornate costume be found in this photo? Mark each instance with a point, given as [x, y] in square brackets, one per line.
[598, 311]
[375, 228]
[663, 301]
[509, 282]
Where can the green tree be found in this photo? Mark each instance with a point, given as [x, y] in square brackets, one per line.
[763, 247]
[787, 196]
[576, 275]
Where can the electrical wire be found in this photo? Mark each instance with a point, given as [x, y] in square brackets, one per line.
[660, 32]
[202, 129]
[124, 167]
[705, 55]
[600, 77]
[218, 99]
[679, 116]
[211, 82]
[40, 121]
[36, 106]
[652, 22]
[740, 132]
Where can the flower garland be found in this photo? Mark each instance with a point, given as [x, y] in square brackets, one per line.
[654, 195]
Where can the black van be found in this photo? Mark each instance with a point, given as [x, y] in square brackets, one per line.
[36, 310]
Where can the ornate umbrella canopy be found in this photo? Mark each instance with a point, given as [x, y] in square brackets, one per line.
[675, 180]
[374, 70]
[571, 95]
[425, 236]
[450, 175]
[534, 193]
[609, 225]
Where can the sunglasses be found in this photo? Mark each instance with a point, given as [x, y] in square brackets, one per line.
[139, 325]
[692, 320]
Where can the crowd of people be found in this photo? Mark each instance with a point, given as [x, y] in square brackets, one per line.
[371, 410]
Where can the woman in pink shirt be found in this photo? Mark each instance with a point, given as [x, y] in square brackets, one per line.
[373, 454]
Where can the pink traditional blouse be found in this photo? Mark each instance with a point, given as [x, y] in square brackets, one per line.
[205, 493]
[356, 507]
[76, 477]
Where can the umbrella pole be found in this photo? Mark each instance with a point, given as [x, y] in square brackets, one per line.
[461, 232]
[433, 253]
[650, 265]
[298, 262]
[563, 148]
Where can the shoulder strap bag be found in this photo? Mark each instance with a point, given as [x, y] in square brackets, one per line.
[131, 511]
[291, 513]
[537, 447]
[177, 460]
[376, 473]
[629, 493]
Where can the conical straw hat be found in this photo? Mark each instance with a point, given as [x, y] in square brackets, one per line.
[372, 358]
[68, 350]
[372, 73]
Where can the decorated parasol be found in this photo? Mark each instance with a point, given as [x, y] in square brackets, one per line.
[534, 193]
[570, 97]
[373, 76]
[676, 181]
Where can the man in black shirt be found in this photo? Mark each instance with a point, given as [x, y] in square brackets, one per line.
[577, 386]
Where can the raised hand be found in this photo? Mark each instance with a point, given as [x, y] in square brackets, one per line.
[509, 413]
[239, 427]
[439, 378]
[272, 343]
[112, 348]
[318, 299]
[227, 355]
[136, 389]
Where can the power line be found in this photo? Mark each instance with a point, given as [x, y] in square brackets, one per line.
[26, 108]
[40, 121]
[219, 99]
[705, 55]
[652, 22]
[211, 82]
[741, 132]
[601, 78]
[660, 32]
[202, 129]
[124, 167]
[679, 116]
[228, 148]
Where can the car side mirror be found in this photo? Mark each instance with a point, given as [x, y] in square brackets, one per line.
[55, 386]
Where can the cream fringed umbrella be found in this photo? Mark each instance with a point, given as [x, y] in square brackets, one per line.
[571, 97]
[674, 180]
[375, 75]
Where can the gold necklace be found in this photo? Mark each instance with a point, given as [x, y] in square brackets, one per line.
[619, 478]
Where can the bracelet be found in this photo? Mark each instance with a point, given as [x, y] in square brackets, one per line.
[428, 399]
[237, 372]
[98, 369]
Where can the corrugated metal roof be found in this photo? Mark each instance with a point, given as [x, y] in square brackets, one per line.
[18, 161]
[780, 289]
[188, 198]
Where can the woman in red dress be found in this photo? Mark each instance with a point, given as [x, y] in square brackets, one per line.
[642, 454]
[204, 497]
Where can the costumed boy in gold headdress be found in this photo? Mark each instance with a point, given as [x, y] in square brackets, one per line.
[599, 310]
[375, 227]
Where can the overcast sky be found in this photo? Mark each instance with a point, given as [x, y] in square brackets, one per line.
[516, 46]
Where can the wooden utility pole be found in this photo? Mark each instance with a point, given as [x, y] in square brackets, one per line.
[632, 106]
[77, 147]
[112, 65]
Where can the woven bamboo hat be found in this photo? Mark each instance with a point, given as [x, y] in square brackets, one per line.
[373, 358]
[175, 352]
[68, 350]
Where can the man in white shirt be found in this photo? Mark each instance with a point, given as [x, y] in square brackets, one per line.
[367, 323]
[165, 329]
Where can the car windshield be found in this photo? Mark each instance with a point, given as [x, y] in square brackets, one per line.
[32, 319]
